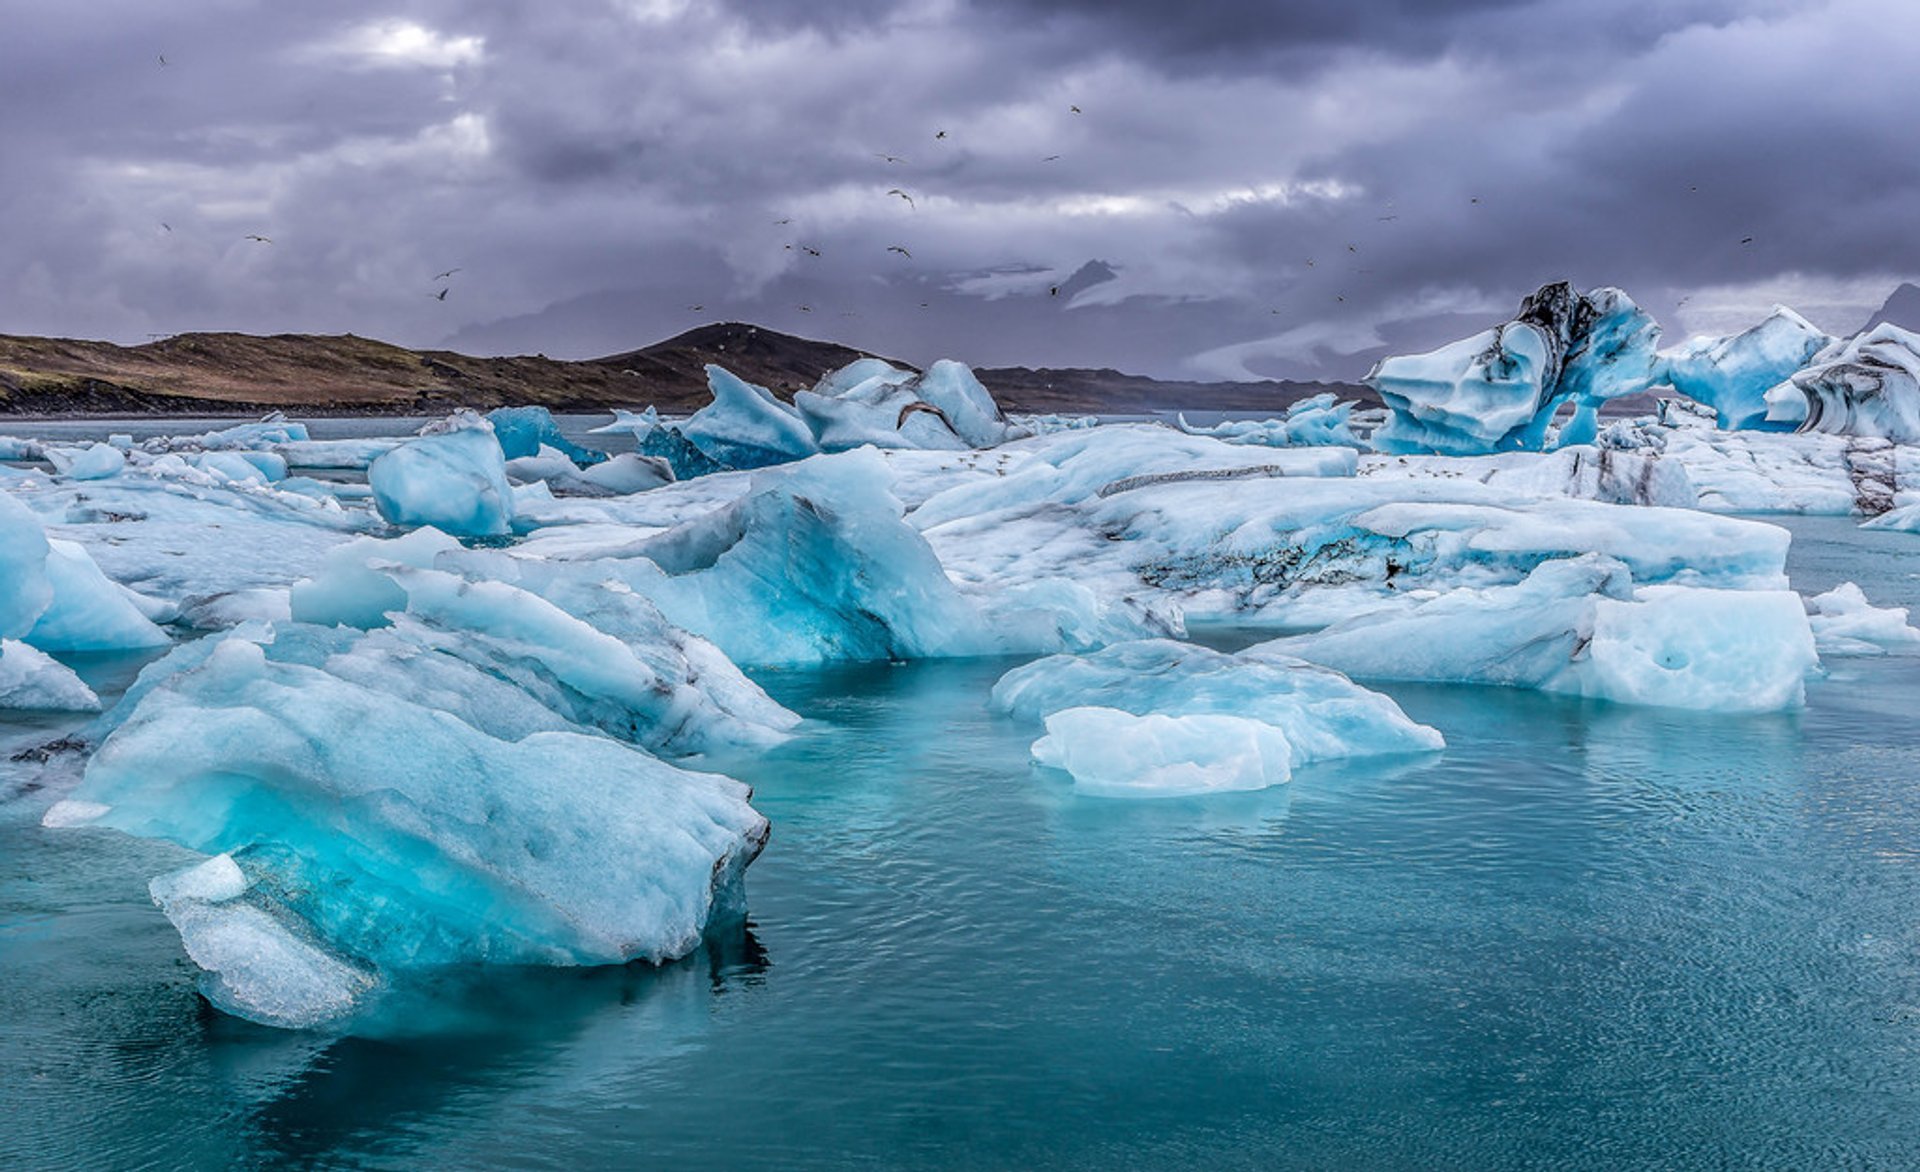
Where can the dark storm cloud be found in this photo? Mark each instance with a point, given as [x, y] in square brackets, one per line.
[1276, 186]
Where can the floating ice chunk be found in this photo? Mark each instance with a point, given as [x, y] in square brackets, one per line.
[638, 424]
[878, 412]
[814, 564]
[93, 462]
[351, 592]
[242, 467]
[24, 588]
[455, 481]
[1845, 623]
[1868, 385]
[627, 473]
[1733, 374]
[860, 370]
[89, 611]
[1116, 754]
[12, 448]
[1905, 519]
[1312, 422]
[1500, 389]
[963, 403]
[403, 837]
[258, 965]
[545, 464]
[273, 430]
[1323, 714]
[523, 431]
[336, 454]
[31, 679]
[1579, 626]
[745, 426]
[1465, 397]
[583, 647]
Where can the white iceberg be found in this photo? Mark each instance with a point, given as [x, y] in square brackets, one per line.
[1845, 623]
[31, 679]
[1580, 626]
[1115, 754]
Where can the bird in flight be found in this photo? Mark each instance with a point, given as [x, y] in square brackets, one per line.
[167, 226]
[441, 295]
[257, 237]
[696, 308]
[1747, 240]
[1075, 109]
[888, 158]
[900, 250]
[1384, 219]
[788, 220]
[163, 59]
[1475, 199]
[1054, 291]
[939, 134]
[804, 308]
[1049, 158]
[905, 196]
[445, 275]
[810, 250]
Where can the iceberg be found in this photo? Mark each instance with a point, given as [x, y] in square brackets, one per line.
[25, 590]
[368, 836]
[29, 678]
[1315, 421]
[745, 426]
[1733, 374]
[523, 431]
[1115, 754]
[455, 481]
[1321, 714]
[1868, 385]
[1500, 389]
[89, 611]
[93, 462]
[1580, 626]
[1845, 623]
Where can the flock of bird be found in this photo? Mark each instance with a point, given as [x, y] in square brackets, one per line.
[444, 278]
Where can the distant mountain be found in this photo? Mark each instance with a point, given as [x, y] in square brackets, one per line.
[223, 373]
[1902, 309]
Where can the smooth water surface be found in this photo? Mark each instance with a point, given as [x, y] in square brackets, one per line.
[1584, 936]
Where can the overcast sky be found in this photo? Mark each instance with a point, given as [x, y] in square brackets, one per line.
[1259, 187]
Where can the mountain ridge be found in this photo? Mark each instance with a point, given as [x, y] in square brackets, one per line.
[345, 374]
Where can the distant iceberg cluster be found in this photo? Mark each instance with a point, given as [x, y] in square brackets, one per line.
[455, 698]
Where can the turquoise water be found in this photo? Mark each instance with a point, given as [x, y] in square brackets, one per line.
[1585, 936]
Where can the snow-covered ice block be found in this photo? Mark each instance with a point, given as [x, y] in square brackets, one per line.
[403, 837]
[1904, 519]
[352, 589]
[455, 481]
[1115, 754]
[275, 429]
[29, 678]
[1733, 374]
[1845, 623]
[1868, 385]
[1322, 714]
[1579, 626]
[627, 473]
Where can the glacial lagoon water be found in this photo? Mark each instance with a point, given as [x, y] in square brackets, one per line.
[1584, 936]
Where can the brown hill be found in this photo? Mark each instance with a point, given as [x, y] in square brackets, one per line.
[227, 374]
